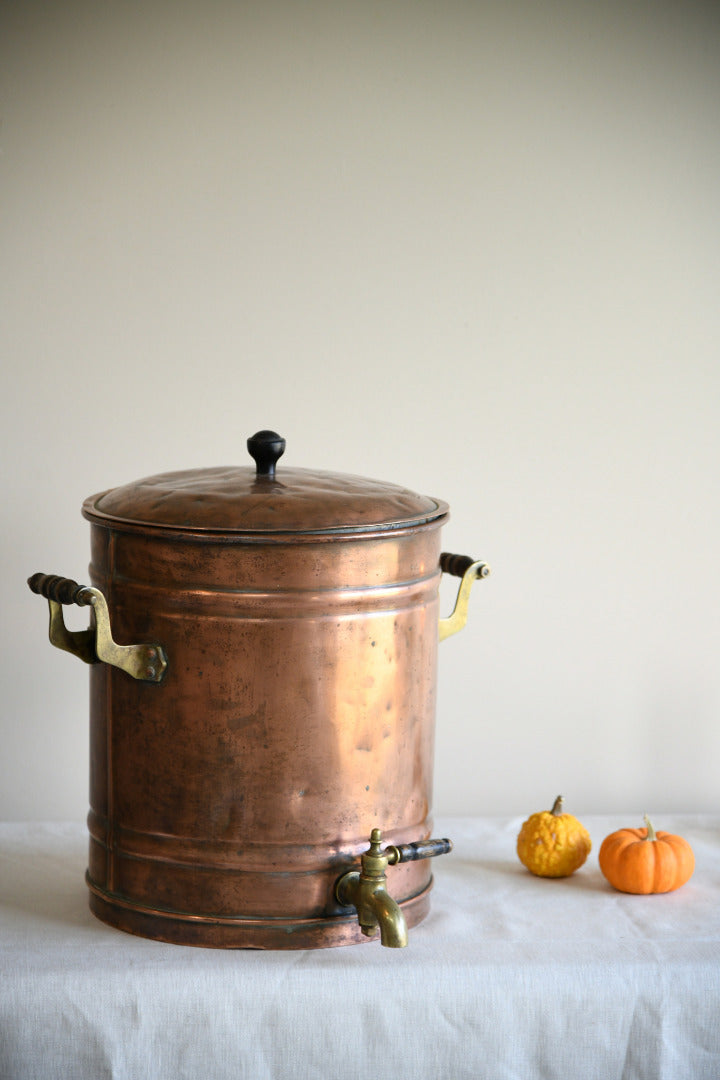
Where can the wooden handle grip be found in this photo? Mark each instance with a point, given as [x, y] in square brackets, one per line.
[457, 565]
[60, 589]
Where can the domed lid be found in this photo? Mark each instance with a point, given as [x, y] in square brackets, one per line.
[246, 500]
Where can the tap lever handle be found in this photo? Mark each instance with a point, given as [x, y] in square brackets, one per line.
[421, 849]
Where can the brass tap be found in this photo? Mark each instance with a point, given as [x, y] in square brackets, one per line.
[366, 890]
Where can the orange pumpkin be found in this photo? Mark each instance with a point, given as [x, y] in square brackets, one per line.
[645, 861]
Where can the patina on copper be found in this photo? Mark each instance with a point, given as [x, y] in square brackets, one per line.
[298, 615]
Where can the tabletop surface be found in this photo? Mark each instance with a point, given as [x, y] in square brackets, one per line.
[510, 976]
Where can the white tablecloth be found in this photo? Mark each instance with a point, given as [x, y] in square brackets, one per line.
[510, 976]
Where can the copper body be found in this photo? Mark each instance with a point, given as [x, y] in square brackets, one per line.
[297, 713]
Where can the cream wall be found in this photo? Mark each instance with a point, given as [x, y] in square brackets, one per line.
[469, 247]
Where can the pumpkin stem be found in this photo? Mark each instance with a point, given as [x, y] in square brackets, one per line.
[650, 830]
[557, 806]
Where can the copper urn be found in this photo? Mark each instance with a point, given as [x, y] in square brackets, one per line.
[262, 651]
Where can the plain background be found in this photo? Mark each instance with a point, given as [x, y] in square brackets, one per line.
[472, 248]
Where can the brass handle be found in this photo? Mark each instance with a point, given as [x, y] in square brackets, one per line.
[469, 570]
[147, 663]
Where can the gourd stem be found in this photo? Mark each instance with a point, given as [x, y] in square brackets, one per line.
[650, 830]
[557, 806]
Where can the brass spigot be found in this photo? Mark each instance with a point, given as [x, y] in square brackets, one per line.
[366, 890]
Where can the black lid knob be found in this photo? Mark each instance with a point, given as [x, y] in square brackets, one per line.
[266, 447]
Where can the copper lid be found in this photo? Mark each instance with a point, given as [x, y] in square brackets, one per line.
[244, 500]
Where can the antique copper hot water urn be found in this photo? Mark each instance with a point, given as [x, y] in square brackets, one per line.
[262, 651]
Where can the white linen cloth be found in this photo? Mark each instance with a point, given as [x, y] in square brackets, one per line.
[510, 977]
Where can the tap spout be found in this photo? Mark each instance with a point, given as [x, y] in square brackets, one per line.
[390, 919]
[375, 907]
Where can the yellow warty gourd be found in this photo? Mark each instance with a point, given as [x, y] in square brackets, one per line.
[553, 844]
